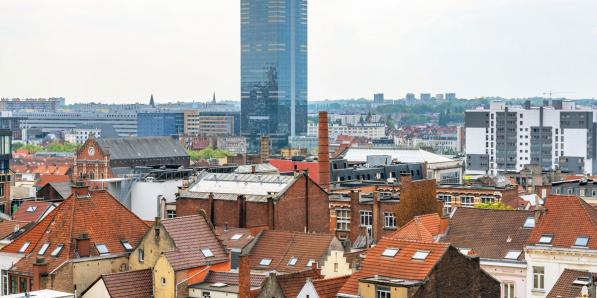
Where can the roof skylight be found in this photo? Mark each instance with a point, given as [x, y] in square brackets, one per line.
[421, 255]
[207, 252]
[390, 252]
[513, 255]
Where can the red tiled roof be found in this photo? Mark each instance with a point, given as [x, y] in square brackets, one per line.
[281, 246]
[566, 218]
[564, 287]
[401, 266]
[8, 227]
[38, 208]
[292, 283]
[102, 217]
[191, 234]
[421, 228]
[130, 284]
[329, 287]
[47, 178]
[285, 166]
[226, 237]
[231, 278]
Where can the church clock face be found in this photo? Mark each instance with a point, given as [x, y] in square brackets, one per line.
[91, 151]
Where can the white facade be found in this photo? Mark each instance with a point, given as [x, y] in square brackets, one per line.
[7, 260]
[510, 275]
[354, 119]
[374, 131]
[146, 197]
[80, 135]
[308, 290]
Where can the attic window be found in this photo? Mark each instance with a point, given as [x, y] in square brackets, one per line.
[31, 208]
[102, 249]
[292, 261]
[545, 239]
[218, 285]
[513, 255]
[127, 246]
[581, 241]
[43, 249]
[529, 222]
[236, 236]
[421, 255]
[265, 262]
[24, 247]
[57, 250]
[464, 251]
[390, 252]
[207, 252]
[582, 281]
[310, 263]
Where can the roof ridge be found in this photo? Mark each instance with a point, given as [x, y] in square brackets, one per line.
[591, 214]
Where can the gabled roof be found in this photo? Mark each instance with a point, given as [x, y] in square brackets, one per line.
[63, 189]
[422, 228]
[230, 278]
[281, 246]
[32, 210]
[100, 216]
[47, 178]
[141, 147]
[329, 287]
[130, 284]
[401, 266]
[566, 218]
[292, 283]
[191, 234]
[235, 238]
[565, 286]
[490, 233]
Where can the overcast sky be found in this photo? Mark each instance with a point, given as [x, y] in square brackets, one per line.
[123, 50]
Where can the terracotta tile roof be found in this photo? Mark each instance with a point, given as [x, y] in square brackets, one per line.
[401, 266]
[490, 233]
[47, 178]
[103, 218]
[286, 166]
[421, 228]
[231, 278]
[8, 227]
[281, 246]
[566, 218]
[329, 287]
[191, 234]
[130, 284]
[564, 287]
[31, 210]
[292, 283]
[234, 238]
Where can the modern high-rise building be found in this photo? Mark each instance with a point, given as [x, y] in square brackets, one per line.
[273, 70]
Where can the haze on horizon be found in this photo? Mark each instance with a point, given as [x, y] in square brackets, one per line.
[121, 51]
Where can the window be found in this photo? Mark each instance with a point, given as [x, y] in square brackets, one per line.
[538, 278]
[594, 192]
[43, 249]
[236, 237]
[487, 200]
[292, 261]
[390, 252]
[513, 255]
[127, 246]
[389, 219]
[508, 289]
[141, 256]
[366, 218]
[310, 263]
[570, 191]
[57, 250]
[581, 241]
[545, 239]
[122, 267]
[447, 203]
[24, 247]
[529, 222]
[170, 213]
[467, 201]
[207, 252]
[265, 262]
[342, 220]
[163, 279]
[421, 255]
[102, 249]
[31, 208]
[335, 267]
[382, 292]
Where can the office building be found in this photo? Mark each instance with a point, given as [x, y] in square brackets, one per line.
[273, 70]
[439, 96]
[378, 98]
[450, 96]
[425, 96]
[124, 122]
[410, 98]
[506, 138]
[160, 124]
[5, 156]
[211, 124]
[31, 104]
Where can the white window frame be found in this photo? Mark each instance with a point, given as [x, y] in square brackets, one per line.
[508, 289]
[467, 205]
[366, 216]
[343, 219]
[382, 292]
[141, 255]
[538, 278]
[389, 219]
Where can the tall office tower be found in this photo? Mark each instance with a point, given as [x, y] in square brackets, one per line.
[273, 71]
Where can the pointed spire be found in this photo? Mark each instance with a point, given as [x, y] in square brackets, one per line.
[214, 98]
[151, 101]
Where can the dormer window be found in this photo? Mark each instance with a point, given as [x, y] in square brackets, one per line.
[421, 255]
[127, 246]
[581, 241]
[43, 249]
[529, 222]
[390, 252]
[102, 249]
[236, 237]
[513, 255]
[292, 261]
[207, 252]
[546, 239]
[265, 262]
[24, 247]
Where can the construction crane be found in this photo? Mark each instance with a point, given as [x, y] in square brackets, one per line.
[551, 92]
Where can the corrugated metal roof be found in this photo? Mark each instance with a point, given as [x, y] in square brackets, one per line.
[401, 155]
[246, 184]
[142, 147]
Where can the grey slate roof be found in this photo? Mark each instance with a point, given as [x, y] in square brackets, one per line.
[141, 147]
[63, 188]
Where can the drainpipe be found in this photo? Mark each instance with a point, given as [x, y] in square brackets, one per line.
[177, 284]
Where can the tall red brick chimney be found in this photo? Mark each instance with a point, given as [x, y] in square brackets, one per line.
[40, 270]
[244, 276]
[323, 154]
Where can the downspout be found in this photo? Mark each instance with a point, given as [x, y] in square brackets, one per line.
[176, 285]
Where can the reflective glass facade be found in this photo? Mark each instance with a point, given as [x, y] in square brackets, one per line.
[273, 70]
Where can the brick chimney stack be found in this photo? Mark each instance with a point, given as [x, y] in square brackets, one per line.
[323, 155]
[376, 217]
[83, 246]
[244, 276]
[40, 269]
[80, 189]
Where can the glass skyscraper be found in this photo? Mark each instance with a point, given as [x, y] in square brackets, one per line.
[273, 70]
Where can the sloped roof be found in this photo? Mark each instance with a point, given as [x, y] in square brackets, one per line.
[234, 238]
[130, 284]
[401, 266]
[231, 278]
[100, 216]
[247, 184]
[566, 218]
[422, 228]
[564, 287]
[31, 210]
[8, 227]
[47, 178]
[329, 287]
[141, 147]
[259, 168]
[191, 234]
[490, 233]
[286, 166]
[281, 246]
[292, 283]
[64, 189]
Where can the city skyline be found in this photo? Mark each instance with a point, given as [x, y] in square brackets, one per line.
[121, 52]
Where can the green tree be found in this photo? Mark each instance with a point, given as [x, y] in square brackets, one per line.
[496, 205]
[207, 153]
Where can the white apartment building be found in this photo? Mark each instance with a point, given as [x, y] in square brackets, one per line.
[374, 130]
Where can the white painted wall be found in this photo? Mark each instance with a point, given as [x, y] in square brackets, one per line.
[515, 273]
[308, 291]
[97, 290]
[475, 140]
[144, 202]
